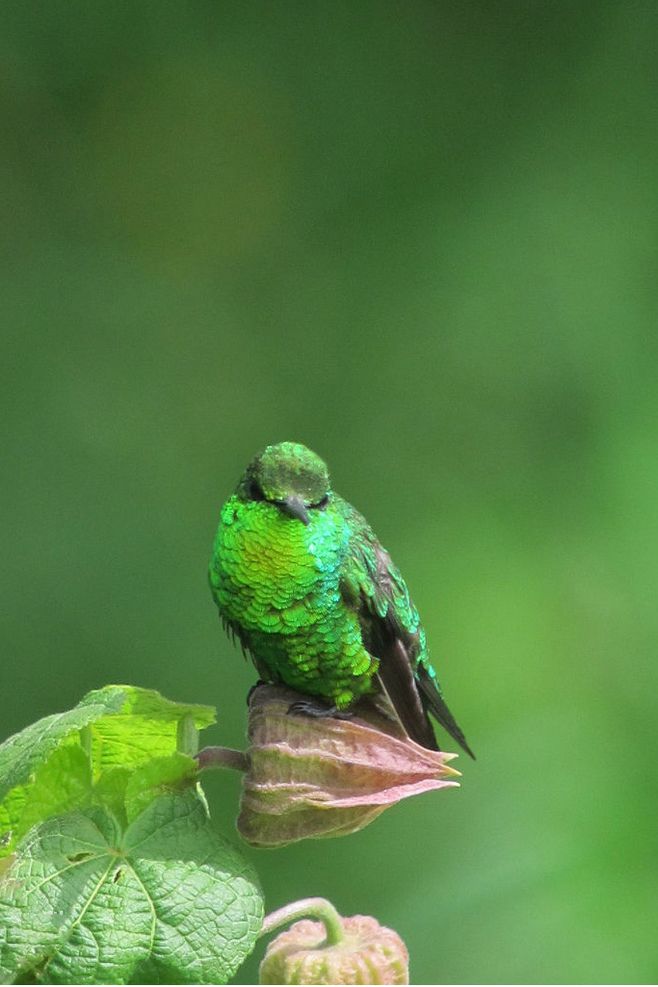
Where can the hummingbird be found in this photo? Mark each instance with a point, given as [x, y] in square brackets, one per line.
[301, 580]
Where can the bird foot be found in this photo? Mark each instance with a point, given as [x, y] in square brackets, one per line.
[311, 707]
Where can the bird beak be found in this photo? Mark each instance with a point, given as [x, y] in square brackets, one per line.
[295, 507]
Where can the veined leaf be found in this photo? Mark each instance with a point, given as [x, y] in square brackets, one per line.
[145, 726]
[25, 751]
[167, 901]
[72, 760]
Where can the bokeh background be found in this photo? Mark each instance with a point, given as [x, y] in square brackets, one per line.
[421, 238]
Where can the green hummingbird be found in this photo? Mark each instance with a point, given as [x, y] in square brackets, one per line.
[301, 580]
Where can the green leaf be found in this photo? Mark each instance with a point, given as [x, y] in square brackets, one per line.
[25, 751]
[146, 726]
[110, 792]
[127, 791]
[86, 755]
[62, 783]
[161, 774]
[167, 901]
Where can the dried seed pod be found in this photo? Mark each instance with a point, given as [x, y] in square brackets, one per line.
[320, 777]
[355, 950]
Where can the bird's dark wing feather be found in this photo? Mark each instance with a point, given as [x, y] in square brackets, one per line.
[372, 584]
[401, 687]
[391, 631]
[434, 701]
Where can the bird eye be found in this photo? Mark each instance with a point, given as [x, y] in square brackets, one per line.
[254, 491]
[323, 503]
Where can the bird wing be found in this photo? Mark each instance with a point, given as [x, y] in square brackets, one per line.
[392, 632]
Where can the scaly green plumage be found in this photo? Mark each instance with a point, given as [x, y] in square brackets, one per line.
[299, 577]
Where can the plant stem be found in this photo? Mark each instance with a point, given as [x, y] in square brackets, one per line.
[222, 757]
[318, 908]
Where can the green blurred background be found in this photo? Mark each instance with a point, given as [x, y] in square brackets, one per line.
[421, 238]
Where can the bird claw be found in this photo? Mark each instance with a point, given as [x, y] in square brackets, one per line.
[308, 707]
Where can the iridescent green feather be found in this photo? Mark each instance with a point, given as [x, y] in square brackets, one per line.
[277, 585]
[300, 578]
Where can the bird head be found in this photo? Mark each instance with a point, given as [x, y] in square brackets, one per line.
[290, 476]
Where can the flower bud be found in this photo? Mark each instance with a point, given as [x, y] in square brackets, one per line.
[325, 776]
[367, 953]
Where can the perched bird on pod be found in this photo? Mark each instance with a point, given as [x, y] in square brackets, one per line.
[301, 580]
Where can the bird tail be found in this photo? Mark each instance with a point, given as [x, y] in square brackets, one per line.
[434, 701]
[398, 681]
